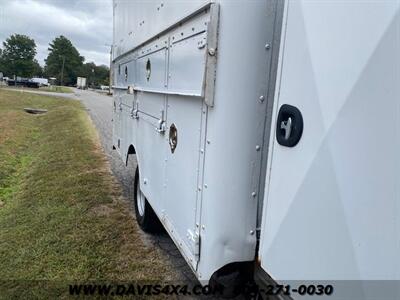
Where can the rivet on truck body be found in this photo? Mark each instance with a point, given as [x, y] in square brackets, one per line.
[211, 51]
[258, 147]
[267, 46]
[253, 194]
[251, 232]
[261, 98]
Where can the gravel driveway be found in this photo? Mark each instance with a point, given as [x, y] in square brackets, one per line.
[99, 108]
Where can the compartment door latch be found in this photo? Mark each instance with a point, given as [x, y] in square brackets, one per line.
[135, 111]
[161, 123]
[289, 126]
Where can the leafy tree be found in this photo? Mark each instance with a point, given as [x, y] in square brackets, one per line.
[37, 69]
[96, 75]
[17, 57]
[61, 51]
[103, 75]
[1, 61]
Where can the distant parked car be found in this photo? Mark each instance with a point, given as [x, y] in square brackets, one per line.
[24, 82]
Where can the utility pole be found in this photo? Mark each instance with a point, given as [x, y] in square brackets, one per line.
[62, 69]
[92, 78]
[110, 74]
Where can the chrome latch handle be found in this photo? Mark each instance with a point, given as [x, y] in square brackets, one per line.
[135, 111]
[135, 114]
[161, 126]
[287, 126]
[161, 123]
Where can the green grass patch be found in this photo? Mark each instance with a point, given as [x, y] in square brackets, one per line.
[56, 89]
[52, 88]
[62, 219]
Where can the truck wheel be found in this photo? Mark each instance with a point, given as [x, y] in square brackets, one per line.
[145, 215]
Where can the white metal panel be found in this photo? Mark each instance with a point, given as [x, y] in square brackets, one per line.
[187, 60]
[235, 127]
[151, 66]
[125, 120]
[181, 170]
[124, 73]
[179, 53]
[116, 121]
[136, 21]
[182, 49]
[150, 106]
[332, 201]
[228, 162]
[150, 151]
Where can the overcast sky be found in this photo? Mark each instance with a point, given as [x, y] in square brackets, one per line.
[87, 23]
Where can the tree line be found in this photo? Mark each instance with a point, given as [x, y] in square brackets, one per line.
[17, 57]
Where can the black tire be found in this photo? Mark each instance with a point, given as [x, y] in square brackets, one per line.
[145, 215]
[233, 280]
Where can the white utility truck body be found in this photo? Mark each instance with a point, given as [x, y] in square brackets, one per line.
[266, 130]
[81, 83]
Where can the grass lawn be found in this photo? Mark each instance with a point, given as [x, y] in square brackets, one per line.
[56, 89]
[52, 88]
[62, 219]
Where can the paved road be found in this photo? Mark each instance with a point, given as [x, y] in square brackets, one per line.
[99, 108]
